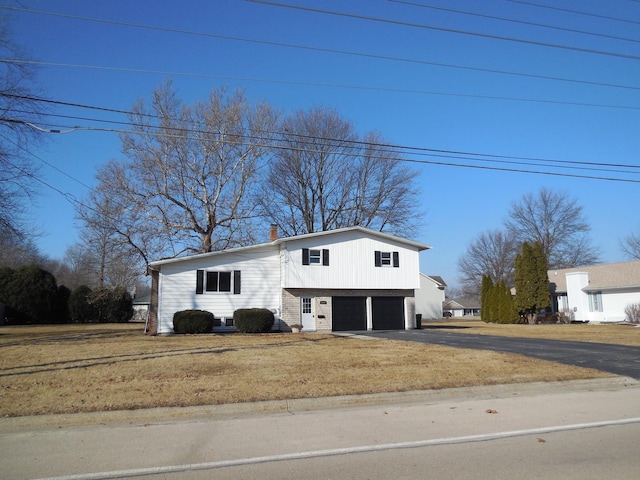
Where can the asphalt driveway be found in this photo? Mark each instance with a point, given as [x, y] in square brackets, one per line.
[617, 359]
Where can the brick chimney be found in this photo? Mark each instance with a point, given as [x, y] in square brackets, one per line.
[273, 232]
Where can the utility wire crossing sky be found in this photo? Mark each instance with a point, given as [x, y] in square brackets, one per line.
[487, 100]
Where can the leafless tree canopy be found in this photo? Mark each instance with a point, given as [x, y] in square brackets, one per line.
[100, 259]
[184, 187]
[17, 169]
[631, 245]
[493, 253]
[555, 221]
[325, 176]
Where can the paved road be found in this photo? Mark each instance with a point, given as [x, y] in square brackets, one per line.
[573, 430]
[617, 359]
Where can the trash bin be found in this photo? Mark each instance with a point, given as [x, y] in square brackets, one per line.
[418, 320]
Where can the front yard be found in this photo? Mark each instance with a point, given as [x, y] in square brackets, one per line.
[87, 368]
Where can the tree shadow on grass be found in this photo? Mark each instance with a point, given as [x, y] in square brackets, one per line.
[88, 362]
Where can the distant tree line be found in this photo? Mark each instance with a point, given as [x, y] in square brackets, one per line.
[30, 295]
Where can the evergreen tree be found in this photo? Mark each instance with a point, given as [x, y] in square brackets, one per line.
[487, 285]
[532, 282]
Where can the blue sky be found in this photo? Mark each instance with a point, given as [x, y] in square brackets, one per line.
[409, 96]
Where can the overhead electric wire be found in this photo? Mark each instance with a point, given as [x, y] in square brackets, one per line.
[289, 134]
[447, 30]
[579, 12]
[514, 20]
[397, 150]
[310, 48]
[449, 94]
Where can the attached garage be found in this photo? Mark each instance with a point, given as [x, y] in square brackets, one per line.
[348, 313]
[387, 313]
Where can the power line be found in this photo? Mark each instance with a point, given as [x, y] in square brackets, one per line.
[399, 149]
[290, 45]
[513, 20]
[448, 30]
[579, 12]
[427, 92]
[282, 134]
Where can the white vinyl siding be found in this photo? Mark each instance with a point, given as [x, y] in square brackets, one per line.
[259, 271]
[352, 264]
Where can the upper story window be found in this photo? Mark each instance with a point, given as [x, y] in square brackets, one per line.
[387, 259]
[217, 281]
[315, 256]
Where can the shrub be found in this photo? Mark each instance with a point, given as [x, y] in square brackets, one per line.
[632, 313]
[30, 295]
[80, 310]
[61, 313]
[192, 321]
[253, 320]
[111, 305]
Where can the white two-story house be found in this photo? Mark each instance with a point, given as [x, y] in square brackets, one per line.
[346, 279]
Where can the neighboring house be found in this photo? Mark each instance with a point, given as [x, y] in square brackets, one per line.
[141, 307]
[430, 297]
[595, 293]
[461, 307]
[346, 279]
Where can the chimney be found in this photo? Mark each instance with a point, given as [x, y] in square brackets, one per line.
[273, 232]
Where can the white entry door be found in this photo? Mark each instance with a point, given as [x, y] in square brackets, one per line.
[307, 313]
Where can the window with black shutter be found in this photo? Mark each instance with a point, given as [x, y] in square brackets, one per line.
[387, 259]
[311, 256]
[199, 281]
[214, 281]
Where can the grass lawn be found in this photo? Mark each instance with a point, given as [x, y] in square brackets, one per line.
[621, 334]
[87, 368]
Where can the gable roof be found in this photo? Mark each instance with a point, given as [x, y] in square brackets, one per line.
[457, 303]
[366, 231]
[438, 279]
[279, 241]
[605, 276]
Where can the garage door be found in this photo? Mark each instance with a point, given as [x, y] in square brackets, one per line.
[388, 313]
[348, 313]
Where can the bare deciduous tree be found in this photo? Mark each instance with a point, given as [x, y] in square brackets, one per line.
[324, 176]
[557, 223]
[493, 253]
[185, 187]
[631, 245]
[18, 108]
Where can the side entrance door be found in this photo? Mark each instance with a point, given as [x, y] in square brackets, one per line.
[307, 313]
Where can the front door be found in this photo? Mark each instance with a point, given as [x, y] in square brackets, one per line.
[307, 313]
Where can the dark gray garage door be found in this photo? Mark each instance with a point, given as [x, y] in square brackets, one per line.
[348, 313]
[388, 313]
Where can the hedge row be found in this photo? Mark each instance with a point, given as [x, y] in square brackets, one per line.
[30, 295]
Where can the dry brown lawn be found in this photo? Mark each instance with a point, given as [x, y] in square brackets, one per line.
[620, 334]
[88, 368]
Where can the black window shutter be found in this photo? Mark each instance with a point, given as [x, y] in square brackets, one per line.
[305, 256]
[396, 259]
[325, 257]
[378, 258]
[236, 282]
[199, 281]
